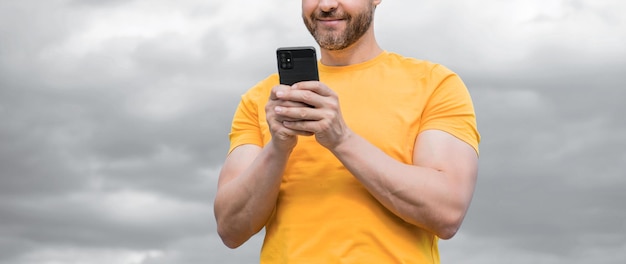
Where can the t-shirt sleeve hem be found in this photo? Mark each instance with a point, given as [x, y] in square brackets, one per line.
[472, 141]
[243, 141]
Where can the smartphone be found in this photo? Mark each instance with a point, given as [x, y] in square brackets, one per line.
[296, 64]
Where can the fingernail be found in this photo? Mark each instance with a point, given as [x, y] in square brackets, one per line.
[279, 94]
[278, 109]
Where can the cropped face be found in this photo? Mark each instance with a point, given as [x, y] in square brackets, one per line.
[337, 24]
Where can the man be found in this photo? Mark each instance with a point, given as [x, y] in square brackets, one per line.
[372, 164]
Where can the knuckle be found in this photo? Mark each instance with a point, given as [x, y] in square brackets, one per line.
[302, 114]
[330, 115]
[334, 104]
[324, 124]
[306, 96]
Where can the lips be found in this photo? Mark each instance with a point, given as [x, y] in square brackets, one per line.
[329, 21]
[329, 18]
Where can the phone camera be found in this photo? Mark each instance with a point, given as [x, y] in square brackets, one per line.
[286, 60]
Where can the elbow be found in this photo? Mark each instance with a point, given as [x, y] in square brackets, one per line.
[450, 226]
[232, 244]
[228, 233]
[234, 235]
[233, 232]
[229, 238]
[447, 233]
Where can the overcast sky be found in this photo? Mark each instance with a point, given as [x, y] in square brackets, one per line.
[114, 118]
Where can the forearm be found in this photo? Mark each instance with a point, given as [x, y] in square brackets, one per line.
[423, 196]
[433, 192]
[243, 204]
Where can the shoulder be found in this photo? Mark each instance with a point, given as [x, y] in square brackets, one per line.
[418, 67]
[262, 88]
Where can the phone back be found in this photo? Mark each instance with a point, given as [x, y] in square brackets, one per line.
[296, 64]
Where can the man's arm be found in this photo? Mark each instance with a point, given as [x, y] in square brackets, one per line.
[247, 191]
[433, 193]
[250, 179]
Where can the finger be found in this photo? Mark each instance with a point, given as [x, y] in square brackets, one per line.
[301, 132]
[297, 113]
[278, 89]
[307, 126]
[273, 115]
[314, 86]
[284, 131]
[306, 97]
[287, 103]
[281, 119]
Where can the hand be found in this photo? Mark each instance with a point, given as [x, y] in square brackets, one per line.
[318, 112]
[284, 138]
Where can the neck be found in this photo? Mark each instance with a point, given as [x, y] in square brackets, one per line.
[366, 48]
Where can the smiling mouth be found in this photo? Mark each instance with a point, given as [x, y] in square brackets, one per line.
[329, 18]
[329, 21]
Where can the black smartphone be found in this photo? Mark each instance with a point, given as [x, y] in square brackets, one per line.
[297, 64]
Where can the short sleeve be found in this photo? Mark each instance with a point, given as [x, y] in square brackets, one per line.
[246, 126]
[450, 108]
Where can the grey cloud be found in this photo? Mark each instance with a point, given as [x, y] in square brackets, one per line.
[64, 129]
[50, 224]
[549, 111]
[98, 2]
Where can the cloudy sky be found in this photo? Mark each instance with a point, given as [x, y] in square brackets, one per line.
[114, 118]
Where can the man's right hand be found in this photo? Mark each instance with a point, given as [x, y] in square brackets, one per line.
[283, 138]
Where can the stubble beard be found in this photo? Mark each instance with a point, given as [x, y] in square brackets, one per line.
[332, 39]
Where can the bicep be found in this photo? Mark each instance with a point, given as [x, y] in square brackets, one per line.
[441, 151]
[238, 160]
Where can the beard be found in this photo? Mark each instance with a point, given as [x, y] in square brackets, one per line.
[334, 39]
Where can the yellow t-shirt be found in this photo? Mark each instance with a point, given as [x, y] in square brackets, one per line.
[323, 214]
